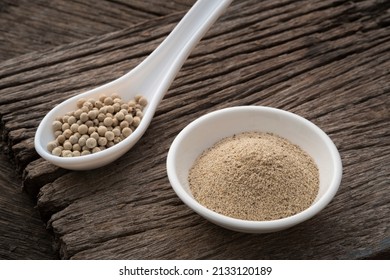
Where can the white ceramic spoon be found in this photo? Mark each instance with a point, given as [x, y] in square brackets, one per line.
[151, 78]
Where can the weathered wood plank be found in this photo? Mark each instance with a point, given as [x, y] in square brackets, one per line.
[328, 61]
[20, 240]
[35, 25]
[27, 26]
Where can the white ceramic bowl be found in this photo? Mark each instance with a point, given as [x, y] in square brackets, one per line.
[205, 131]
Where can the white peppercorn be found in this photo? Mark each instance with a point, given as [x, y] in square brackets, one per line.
[136, 121]
[101, 117]
[119, 116]
[73, 139]
[91, 130]
[85, 152]
[84, 117]
[94, 135]
[103, 110]
[88, 105]
[92, 114]
[102, 97]
[102, 141]
[126, 132]
[65, 126]
[92, 101]
[129, 118]
[56, 151]
[67, 133]
[74, 127]
[57, 125]
[123, 124]
[131, 103]
[102, 130]
[67, 145]
[83, 129]
[95, 125]
[51, 145]
[66, 153]
[108, 101]
[116, 107]
[91, 143]
[139, 113]
[110, 109]
[76, 147]
[109, 135]
[95, 150]
[82, 141]
[60, 139]
[71, 120]
[57, 133]
[98, 104]
[77, 113]
[116, 131]
[142, 101]
[76, 153]
[108, 121]
[80, 102]
[137, 98]
[89, 123]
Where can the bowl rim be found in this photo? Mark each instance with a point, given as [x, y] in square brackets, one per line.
[249, 225]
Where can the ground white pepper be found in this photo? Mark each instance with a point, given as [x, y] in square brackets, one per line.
[95, 125]
[255, 176]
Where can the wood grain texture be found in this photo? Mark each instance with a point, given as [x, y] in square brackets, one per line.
[327, 61]
[27, 240]
[27, 26]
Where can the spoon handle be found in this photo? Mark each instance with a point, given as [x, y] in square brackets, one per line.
[163, 64]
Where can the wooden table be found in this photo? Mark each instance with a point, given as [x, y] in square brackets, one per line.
[327, 61]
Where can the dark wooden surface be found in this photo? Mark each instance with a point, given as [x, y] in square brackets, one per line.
[27, 26]
[22, 233]
[327, 61]
[37, 25]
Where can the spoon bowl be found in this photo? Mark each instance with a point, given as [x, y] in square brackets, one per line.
[205, 131]
[150, 79]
